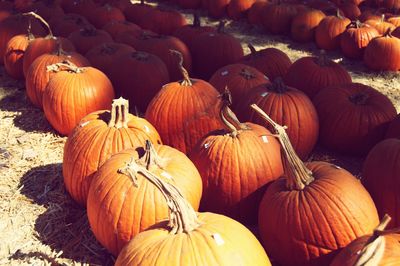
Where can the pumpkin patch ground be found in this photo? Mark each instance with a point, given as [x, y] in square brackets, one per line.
[41, 224]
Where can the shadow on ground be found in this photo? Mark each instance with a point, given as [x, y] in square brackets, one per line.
[64, 225]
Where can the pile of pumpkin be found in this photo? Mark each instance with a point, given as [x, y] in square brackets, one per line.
[191, 151]
[362, 29]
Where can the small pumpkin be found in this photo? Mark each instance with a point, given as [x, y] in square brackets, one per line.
[270, 61]
[353, 117]
[350, 10]
[193, 238]
[92, 91]
[183, 112]
[304, 25]
[380, 176]
[87, 38]
[114, 131]
[119, 209]
[312, 74]
[383, 53]
[312, 199]
[329, 30]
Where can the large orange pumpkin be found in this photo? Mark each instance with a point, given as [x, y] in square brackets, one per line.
[187, 237]
[381, 178]
[287, 106]
[122, 204]
[315, 210]
[38, 75]
[113, 131]
[353, 117]
[382, 248]
[312, 74]
[74, 92]
[183, 112]
[236, 164]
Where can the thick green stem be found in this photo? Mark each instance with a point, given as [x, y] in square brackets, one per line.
[182, 216]
[298, 176]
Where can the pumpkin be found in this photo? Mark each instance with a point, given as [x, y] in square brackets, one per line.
[328, 7]
[356, 37]
[236, 164]
[38, 75]
[104, 56]
[65, 105]
[112, 188]
[239, 78]
[183, 112]
[161, 46]
[48, 9]
[304, 25]
[80, 7]
[287, 106]
[102, 15]
[350, 10]
[42, 45]
[381, 248]
[380, 175]
[270, 61]
[121, 4]
[392, 4]
[381, 25]
[313, 211]
[188, 33]
[254, 14]
[87, 38]
[311, 74]
[277, 17]
[23, 5]
[193, 238]
[14, 56]
[395, 20]
[394, 128]
[217, 8]
[163, 21]
[237, 8]
[140, 79]
[63, 26]
[114, 28]
[5, 13]
[353, 117]
[114, 131]
[383, 53]
[15, 25]
[329, 30]
[214, 50]
[138, 12]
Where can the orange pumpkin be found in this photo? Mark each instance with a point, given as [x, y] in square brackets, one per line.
[313, 211]
[65, 105]
[381, 25]
[87, 38]
[183, 112]
[329, 30]
[14, 56]
[102, 15]
[236, 164]
[304, 25]
[277, 17]
[114, 131]
[193, 238]
[254, 14]
[120, 206]
[237, 8]
[383, 53]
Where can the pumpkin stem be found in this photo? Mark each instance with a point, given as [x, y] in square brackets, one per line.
[182, 216]
[247, 74]
[322, 59]
[373, 250]
[338, 14]
[186, 79]
[119, 113]
[252, 49]
[278, 85]
[196, 20]
[151, 158]
[298, 175]
[359, 98]
[221, 26]
[65, 66]
[59, 50]
[44, 22]
[228, 117]
[29, 31]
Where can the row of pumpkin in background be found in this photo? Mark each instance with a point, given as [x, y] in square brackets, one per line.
[117, 211]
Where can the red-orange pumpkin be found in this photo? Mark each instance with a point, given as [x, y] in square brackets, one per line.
[383, 53]
[287, 106]
[236, 164]
[329, 30]
[121, 205]
[313, 211]
[38, 75]
[65, 105]
[48, 9]
[312, 74]
[216, 8]
[237, 8]
[270, 61]
[102, 15]
[113, 131]
[14, 56]
[353, 117]
[114, 28]
[380, 176]
[394, 128]
[277, 17]
[136, 13]
[87, 38]
[381, 25]
[63, 26]
[304, 25]
[184, 112]
[350, 10]
[255, 13]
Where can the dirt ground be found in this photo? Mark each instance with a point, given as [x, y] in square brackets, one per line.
[40, 224]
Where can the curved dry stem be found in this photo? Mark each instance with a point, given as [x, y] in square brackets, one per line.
[228, 117]
[253, 50]
[65, 66]
[119, 113]
[186, 79]
[182, 216]
[298, 176]
[44, 22]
